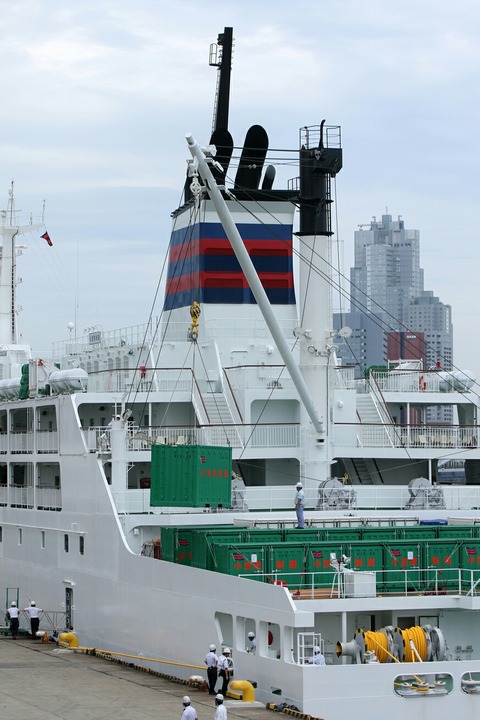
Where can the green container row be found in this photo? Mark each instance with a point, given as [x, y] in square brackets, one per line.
[191, 545]
[414, 564]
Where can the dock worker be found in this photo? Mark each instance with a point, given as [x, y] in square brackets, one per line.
[33, 613]
[299, 503]
[221, 710]
[318, 658]
[189, 712]
[224, 666]
[211, 661]
[253, 643]
[13, 615]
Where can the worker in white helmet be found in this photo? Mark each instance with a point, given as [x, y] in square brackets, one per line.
[299, 503]
[318, 658]
[211, 661]
[225, 668]
[252, 643]
[189, 712]
[13, 616]
[221, 710]
[33, 613]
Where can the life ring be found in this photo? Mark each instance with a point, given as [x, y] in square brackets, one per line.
[421, 383]
[270, 638]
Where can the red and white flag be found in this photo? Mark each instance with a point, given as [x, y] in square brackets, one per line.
[46, 237]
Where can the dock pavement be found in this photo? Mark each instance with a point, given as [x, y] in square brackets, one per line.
[41, 681]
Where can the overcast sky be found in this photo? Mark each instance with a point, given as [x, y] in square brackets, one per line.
[97, 96]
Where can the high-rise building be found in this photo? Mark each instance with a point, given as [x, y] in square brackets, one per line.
[388, 296]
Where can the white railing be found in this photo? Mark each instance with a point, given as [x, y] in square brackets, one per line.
[22, 496]
[235, 436]
[413, 436]
[47, 441]
[48, 498]
[21, 442]
[308, 585]
[368, 498]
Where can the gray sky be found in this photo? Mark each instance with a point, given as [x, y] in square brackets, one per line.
[97, 97]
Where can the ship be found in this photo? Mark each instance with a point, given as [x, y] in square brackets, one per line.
[148, 473]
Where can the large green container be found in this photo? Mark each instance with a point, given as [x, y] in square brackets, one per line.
[342, 534]
[206, 545]
[318, 569]
[400, 557]
[190, 476]
[457, 531]
[470, 562]
[306, 535]
[286, 564]
[442, 560]
[418, 532]
[177, 545]
[365, 556]
[265, 535]
[246, 559]
[377, 534]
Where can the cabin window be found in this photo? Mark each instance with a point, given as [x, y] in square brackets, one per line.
[1, 533]
[268, 640]
[42, 539]
[224, 625]
[20, 536]
[65, 543]
[244, 626]
[81, 545]
[470, 683]
[438, 684]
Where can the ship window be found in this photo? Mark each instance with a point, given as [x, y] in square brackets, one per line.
[244, 626]
[224, 625]
[433, 685]
[65, 542]
[81, 545]
[470, 683]
[1, 533]
[268, 640]
[42, 539]
[20, 536]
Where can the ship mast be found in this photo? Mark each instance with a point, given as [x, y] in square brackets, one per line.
[221, 57]
[8, 275]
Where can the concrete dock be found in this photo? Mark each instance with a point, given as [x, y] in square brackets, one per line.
[44, 682]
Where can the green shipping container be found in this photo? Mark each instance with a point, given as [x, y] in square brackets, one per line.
[246, 559]
[418, 532]
[402, 560]
[286, 564]
[190, 476]
[307, 535]
[442, 559]
[319, 573]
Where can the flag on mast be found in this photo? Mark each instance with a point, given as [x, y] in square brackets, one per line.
[46, 237]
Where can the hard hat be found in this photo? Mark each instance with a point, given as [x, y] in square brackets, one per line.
[226, 651]
[251, 634]
[186, 700]
[13, 603]
[212, 648]
[316, 649]
[32, 603]
[219, 698]
[299, 485]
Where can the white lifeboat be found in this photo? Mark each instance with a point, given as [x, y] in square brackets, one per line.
[69, 381]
